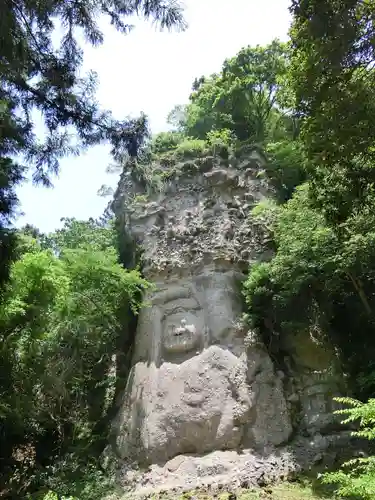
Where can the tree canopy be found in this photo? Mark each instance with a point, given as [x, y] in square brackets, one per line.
[243, 97]
[40, 72]
[37, 74]
[64, 324]
[334, 82]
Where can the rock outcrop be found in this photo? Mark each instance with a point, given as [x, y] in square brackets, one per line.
[200, 382]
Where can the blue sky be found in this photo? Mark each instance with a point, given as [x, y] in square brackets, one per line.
[150, 71]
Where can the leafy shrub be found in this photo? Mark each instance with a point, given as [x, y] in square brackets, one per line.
[221, 141]
[69, 479]
[66, 305]
[285, 167]
[167, 160]
[266, 211]
[148, 177]
[357, 476]
[166, 141]
[281, 289]
[140, 198]
[222, 136]
[191, 148]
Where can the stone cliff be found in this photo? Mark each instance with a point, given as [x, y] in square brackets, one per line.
[205, 396]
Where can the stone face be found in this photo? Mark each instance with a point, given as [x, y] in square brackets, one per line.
[200, 382]
[194, 386]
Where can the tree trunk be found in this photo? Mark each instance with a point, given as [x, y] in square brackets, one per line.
[361, 293]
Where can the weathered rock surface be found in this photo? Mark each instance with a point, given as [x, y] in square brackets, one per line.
[201, 384]
[214, 472]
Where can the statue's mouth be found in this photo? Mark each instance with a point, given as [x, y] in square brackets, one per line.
[180, 341]
[180, 335]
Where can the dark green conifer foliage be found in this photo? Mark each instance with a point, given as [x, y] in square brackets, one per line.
[40, 73]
